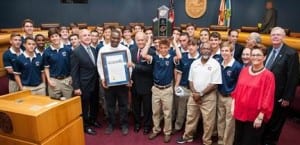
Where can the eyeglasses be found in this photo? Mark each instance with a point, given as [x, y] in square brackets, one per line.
[256, 55]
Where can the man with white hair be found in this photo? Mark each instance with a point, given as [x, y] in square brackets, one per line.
[283, 61]
[86, 80]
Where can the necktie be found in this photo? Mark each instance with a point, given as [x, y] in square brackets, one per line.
[138, 55]
[271, 60]
[91, 54]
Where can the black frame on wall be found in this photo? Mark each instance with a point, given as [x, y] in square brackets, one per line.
[74, 1]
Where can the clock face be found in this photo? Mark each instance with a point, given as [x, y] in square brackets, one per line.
[163, 13]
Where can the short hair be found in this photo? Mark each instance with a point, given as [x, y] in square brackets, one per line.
[53, 31]
[73, 25]
[193, 42]
[12, 35]
[227, 44]
[116, 31]
[27, 21]
[94, 31]
[63, 28]
[108, 27]
[215, 35]
[72, 35]
[205, 30]
[27, 39]
[280, 29]
[126, 28]
[255, 36]
[232, 30]
[39, 35]
[260, 47]
[177, 29]
[190, 25]
[164, 42]
[148, 28]
[184, 34]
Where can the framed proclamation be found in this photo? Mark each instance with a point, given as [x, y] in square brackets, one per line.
[115, 68]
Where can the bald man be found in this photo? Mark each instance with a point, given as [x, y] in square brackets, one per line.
[142, 83]
[86, 80]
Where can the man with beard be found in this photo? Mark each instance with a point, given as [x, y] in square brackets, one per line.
[115, 94]
[204, 76]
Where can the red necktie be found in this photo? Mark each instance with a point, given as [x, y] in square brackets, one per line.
[138, 55]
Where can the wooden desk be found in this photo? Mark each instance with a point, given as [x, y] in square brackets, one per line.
[40, 120]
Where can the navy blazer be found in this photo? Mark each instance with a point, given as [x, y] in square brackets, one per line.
[286, 71]
[83, 71]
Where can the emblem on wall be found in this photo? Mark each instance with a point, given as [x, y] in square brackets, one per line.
[5, 123]
[195, 8]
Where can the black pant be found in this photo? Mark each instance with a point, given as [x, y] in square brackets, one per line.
[139, 100]
[90, 106]
[246, 134]
[112, 95]
[274, 126]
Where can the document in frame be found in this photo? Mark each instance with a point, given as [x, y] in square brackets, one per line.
[115, 68]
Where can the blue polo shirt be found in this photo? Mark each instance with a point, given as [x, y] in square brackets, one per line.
[230, 75]
[29, 69]
[163, 69]
[184, 68]
[9, 60]
[58, 61]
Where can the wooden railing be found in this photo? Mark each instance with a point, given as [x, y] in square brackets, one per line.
[290, 41]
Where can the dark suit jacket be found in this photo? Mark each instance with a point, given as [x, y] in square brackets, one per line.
[286, 71]
[142, 73]
[269, 20]
[238, 50]
[84, 73]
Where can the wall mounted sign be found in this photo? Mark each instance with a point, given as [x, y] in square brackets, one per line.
[195, 8]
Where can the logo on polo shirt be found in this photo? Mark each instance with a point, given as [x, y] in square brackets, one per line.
[167, 63]
[64, 53]
[229, 73]
[37, 63]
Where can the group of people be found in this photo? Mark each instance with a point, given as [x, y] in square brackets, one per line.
[239, 93]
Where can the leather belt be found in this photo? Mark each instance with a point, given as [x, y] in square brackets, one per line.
[163, 87]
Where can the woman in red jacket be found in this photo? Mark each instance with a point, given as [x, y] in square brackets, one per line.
[253, 99]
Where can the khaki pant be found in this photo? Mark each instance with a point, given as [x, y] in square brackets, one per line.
[38, 90]
[226, 123]
[13, 86]
[208, 110]
[162, 100]
[62, 88]
[181, 109]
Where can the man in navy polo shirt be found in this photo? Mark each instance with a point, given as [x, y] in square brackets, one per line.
[230, 72]
[57, 67]
[29, 69]
[162, 91]
[181, 80]
[9, 59]
[28, 31]
[215, 43]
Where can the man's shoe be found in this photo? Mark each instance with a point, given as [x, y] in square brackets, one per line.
[146, 131]
[167, 138]
[90, 131]
[152, 136]
[181, 140]
[124, 130]
[95, 124]
[136, 128]
[109, 130]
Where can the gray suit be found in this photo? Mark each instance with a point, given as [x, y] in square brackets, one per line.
[269, 20]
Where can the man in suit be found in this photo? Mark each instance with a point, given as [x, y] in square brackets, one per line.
[237, 48]
[283, 61]
[270, 18]
[141, 87]
[86, 80]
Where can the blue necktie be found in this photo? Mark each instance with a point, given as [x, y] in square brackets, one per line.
[271, 60]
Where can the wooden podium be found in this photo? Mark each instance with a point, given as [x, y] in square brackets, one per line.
[27, 119]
